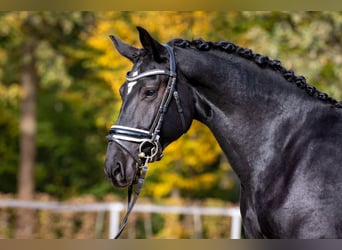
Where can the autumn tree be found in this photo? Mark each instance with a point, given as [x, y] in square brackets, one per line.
[37, 42]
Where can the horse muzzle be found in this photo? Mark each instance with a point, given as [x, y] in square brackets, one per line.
[119, 167]
[125, 155]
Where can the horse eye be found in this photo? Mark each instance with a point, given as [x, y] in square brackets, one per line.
[150, 92]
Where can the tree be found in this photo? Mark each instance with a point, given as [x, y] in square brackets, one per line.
[40, 37]
[28, 137]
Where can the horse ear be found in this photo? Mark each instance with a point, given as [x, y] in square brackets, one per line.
[124, 49]
[157, 50]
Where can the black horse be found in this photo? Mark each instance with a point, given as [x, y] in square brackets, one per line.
[283, 138]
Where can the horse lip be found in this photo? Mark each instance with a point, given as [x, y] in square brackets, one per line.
[119, 182]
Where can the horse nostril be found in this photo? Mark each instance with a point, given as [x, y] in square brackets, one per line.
[118, 169]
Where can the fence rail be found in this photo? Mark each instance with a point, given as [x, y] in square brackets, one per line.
[115, 208]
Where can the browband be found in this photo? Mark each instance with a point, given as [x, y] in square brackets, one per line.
[149, 73]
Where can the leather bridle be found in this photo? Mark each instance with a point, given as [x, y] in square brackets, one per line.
[119, 133]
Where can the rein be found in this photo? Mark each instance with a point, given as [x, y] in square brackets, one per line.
[118, 133]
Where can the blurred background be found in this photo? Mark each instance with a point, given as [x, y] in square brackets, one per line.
[59, 81]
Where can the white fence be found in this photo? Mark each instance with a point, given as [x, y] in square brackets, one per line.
[115, 208]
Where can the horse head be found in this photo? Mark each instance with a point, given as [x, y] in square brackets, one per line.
[156, 109]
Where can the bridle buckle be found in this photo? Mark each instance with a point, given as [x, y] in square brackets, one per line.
[155, 147]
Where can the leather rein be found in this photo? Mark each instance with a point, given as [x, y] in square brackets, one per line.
[119, 133]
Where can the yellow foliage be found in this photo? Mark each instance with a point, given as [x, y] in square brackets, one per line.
[10, 93]
[193, 152]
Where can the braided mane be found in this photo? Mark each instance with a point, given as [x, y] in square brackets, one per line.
[261, 61]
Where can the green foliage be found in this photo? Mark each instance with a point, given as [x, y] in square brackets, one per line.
[80, 74]
[67, 151]
[9, 140]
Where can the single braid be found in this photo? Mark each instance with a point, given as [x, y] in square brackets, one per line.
[261, 61]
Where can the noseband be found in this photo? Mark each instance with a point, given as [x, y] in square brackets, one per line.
[119, 133]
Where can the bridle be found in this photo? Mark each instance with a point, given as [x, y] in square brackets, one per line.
[119, 133]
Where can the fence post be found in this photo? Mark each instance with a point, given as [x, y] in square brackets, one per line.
[235, 232]
[197, 224]
[114, 218]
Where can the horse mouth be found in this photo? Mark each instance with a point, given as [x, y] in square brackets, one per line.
[118, 181]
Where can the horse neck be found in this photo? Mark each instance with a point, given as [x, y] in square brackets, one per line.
[244, 106]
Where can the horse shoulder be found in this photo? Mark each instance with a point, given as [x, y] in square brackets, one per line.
[301, 196]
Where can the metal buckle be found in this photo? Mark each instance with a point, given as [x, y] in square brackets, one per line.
[153, 152]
